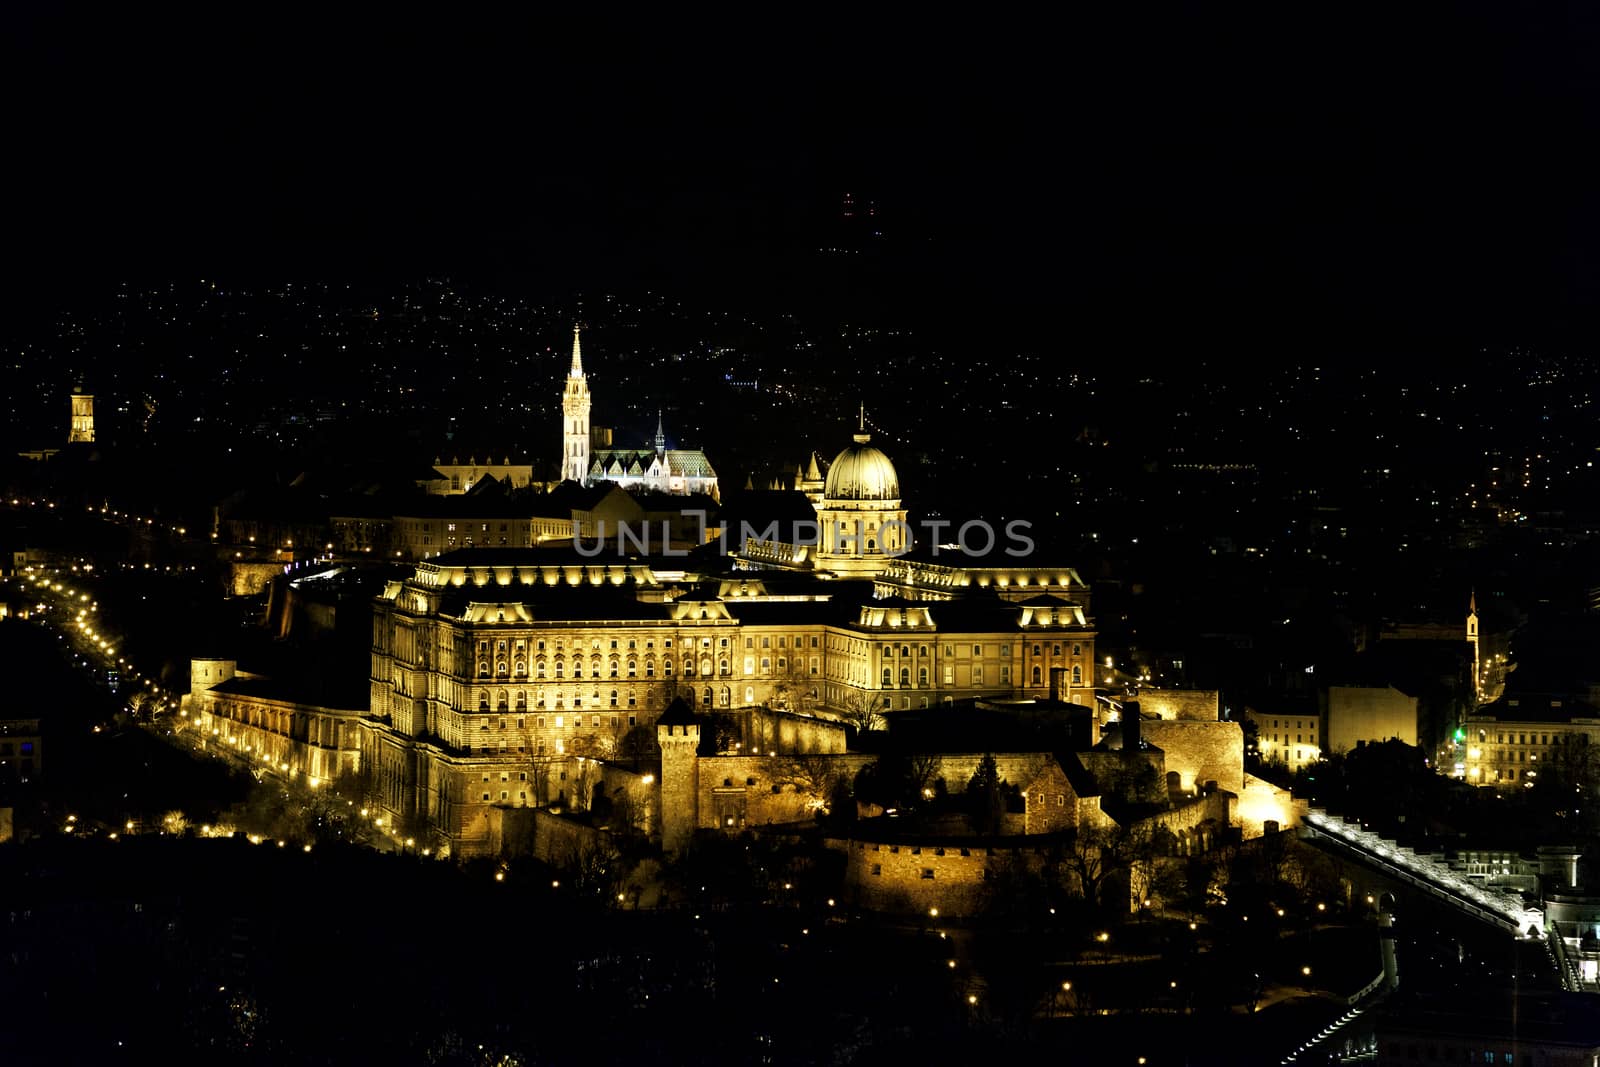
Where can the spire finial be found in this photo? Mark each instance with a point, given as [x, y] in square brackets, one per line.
[1472, 602]
[577, 354]
[862, 437]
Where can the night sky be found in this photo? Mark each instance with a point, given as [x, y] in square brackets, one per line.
[1183, 176]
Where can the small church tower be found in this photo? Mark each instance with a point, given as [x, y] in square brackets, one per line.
[575, 419]
[1472, 639]
[81, 431]
[678, 732]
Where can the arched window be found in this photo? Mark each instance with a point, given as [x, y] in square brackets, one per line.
[905, 675]
[922, 676]
[1077, 675]
[501, 669]
[483, 670]
[725, 698]
[522, 701]
[1035, 650]
[633, 668]
[705, 698]
[483, 702]
[1036, 675]
[888, 676]
[502, 703]
[522, 669]
[1077, 650]
[613, 698]
[577, 668]
[541, 669]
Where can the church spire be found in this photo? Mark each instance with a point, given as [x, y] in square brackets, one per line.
[577, 355]
[661, 434]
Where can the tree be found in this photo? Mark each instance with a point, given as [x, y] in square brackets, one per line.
[1569, 777]
[1099, 857]
[792, 688]
[863, 711]
[897, 780]
[812, 773]
[638, 744]
[985, 796]
[594, 869]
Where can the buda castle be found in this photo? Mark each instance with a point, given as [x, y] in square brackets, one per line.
[505, 678]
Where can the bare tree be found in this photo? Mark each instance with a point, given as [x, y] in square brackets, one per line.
[863, 711]
[808, 772]
[1098, 858]
[792, 688]
[539, 778]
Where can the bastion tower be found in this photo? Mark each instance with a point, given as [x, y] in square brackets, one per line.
[679, 735]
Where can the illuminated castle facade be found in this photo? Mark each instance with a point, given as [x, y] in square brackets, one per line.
[588, 458]
[500, 674]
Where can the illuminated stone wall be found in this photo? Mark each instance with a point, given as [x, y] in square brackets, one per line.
[734, 792]
[1260, 802]
[251, 578]
[1195, 705]
[1200, 751]
[764, 730]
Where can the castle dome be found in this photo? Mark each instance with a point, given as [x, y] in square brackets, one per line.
[861, 472]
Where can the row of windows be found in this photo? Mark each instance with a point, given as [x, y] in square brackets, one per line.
[799, 641]
[520, 645]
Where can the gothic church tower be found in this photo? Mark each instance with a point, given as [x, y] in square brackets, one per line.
[575, 419]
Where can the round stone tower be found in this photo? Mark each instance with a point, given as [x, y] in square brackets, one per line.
[205, 673]
[678, 733]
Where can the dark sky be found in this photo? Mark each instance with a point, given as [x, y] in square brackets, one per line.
[1338, 171]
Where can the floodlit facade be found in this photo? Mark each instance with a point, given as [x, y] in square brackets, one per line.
[500, 676]
[1510, 741]
[81, 429]
[1292, 740]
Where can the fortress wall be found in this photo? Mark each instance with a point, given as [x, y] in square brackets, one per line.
[1193, 705]
[1200, 751]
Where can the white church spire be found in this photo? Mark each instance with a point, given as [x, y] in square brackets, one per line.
[575, 419]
